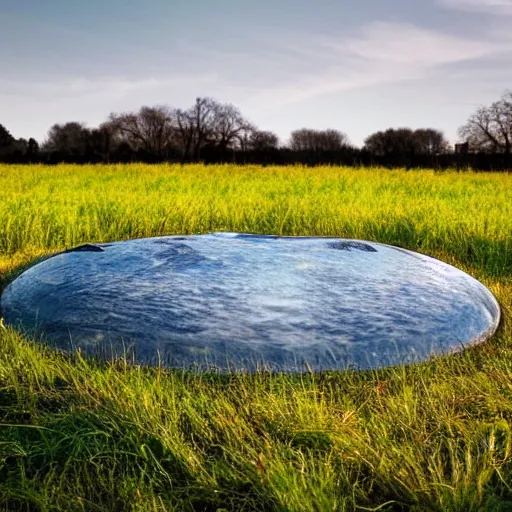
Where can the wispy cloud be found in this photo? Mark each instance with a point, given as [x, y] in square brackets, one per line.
[82, 88]
[395, 43]
[292, 68]
[382, 53]
[498, 7]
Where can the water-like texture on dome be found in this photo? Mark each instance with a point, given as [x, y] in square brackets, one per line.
[236, 301]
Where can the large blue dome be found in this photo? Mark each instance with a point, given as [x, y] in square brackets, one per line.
[237, 301]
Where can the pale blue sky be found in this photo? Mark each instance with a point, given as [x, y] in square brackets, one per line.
[358, 66]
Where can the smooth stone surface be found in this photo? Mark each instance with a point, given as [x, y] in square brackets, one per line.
[242, 301]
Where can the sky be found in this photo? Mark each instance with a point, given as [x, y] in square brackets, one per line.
[354, 65]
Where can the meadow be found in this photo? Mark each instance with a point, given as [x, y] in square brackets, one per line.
[83, 435]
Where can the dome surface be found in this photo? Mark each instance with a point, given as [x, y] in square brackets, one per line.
[237, 301]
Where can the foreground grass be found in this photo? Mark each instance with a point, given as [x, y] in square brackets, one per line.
[79, 435]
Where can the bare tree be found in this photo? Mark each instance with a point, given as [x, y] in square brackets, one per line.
[6, 139]
[301, 140]
[404, 141]
[184, 132]
[430, 141]
[209, 123]
[101, 142]
[150, 129]
[16, 149]
[32, 147]
[69, 138]
[490, 128]
[195, 126]
[230, 128]
[391, 142]
[333, 140]
[258, 140]
[7, 142]
[317, 140]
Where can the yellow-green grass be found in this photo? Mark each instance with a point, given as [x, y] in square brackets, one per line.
[77, 434]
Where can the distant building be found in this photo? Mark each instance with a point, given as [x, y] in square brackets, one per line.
[462, 149]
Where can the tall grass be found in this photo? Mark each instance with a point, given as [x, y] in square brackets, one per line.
[76, 434]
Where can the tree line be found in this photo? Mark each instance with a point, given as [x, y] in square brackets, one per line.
[214, 132]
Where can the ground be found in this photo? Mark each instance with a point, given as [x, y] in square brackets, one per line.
[77, 434]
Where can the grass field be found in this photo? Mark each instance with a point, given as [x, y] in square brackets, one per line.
[84, 436]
